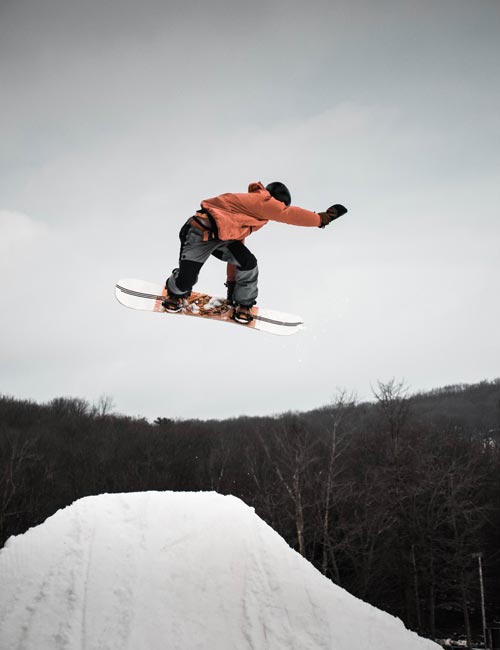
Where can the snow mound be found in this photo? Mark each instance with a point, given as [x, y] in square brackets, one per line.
[176, 571]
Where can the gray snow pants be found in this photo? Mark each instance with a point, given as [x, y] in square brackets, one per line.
[195, 252]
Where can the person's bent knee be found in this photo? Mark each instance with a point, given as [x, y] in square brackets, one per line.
[245, 260]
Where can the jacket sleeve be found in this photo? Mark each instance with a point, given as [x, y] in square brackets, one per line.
[293, 215]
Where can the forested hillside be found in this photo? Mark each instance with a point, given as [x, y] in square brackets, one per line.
[390, 499]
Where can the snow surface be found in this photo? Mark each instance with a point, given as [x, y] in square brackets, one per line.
[168, 571]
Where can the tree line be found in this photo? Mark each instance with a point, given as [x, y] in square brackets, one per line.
[391, 499]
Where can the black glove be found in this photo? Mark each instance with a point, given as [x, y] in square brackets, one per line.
[333, 212]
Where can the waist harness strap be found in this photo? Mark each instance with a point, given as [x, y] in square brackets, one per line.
[204, 225]
[206, 214]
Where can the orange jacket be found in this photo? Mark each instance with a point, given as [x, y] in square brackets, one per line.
[239, 215]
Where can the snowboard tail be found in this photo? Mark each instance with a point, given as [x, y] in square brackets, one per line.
[148, 296]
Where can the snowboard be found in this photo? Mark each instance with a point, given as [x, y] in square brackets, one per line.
[148, 296]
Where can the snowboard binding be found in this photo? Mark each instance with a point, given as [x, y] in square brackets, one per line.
[242, 314]
[172, 304]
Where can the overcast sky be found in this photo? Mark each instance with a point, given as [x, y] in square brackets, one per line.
[119, 117]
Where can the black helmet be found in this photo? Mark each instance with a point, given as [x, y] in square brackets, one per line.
[280, 192]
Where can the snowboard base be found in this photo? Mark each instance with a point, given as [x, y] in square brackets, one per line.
[148, 296]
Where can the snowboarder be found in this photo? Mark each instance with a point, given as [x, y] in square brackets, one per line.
[219, 228]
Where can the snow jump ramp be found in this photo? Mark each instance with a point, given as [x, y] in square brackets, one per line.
[176, 571]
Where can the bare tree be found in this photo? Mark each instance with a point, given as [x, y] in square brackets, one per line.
[341, 406]
[16, 454]
[104, 406]
[291, 450]
[394, 403]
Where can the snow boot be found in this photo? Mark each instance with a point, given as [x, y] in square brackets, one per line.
[230, 284]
